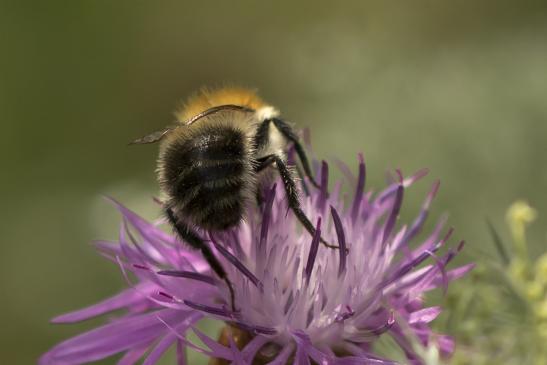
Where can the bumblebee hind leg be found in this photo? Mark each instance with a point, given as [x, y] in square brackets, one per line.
[191, 237]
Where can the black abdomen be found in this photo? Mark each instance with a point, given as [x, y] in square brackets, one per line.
[206, 175]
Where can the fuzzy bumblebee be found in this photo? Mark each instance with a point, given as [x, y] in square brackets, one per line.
[212, 160]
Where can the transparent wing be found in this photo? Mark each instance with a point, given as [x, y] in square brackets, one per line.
[153, 137]
[158, 135]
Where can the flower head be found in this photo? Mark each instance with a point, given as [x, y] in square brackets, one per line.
[295, 299]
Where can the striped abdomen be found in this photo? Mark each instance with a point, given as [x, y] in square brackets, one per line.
[206, 177]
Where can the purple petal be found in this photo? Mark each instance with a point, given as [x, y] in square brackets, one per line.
[153, 237]
[313, 250]
[425, 315]
[112, 338]
[431, 243]
[407, 267]
[181, 353]
[238, 358]
[266, 218]
[382, 328]
[324, 192]
[304, 343]
[217, 349]
[422, 216]
[160, 349]
[431, 279]
[182, 328]
[394, 213]
[301, 357]
[446, 344]
[143, 226]
[283, 356]
[250, 350]
[238, 264]
[108, 247]
[363, 360]
[406, 183]
[450, 276]
[188, 275]
[208, 309]
[132, 356]
[256, 329]
[341, 240]
[360, 188]
[441, 265]
[399, 335]
[126, 298]
[153, 256]
[171, 304]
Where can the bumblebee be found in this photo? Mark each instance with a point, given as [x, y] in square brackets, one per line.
[212, 161]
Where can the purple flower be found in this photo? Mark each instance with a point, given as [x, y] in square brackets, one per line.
[295, 299]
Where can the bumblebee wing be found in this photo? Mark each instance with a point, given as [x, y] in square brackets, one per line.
[158, 135]
[216, 109]
[153, 137]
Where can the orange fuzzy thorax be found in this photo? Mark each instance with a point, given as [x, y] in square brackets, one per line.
[206, 99]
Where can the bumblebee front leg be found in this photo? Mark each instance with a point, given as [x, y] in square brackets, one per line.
[191, 237]
[290, 191]
[288, 132]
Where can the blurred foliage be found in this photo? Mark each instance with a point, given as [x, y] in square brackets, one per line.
[458, 87]
[500, 315]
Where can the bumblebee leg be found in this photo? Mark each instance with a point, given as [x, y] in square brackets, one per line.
[288, 132]
[261, 138]
[190, 237]
[305, 188]
[291, 191]
[262, 134]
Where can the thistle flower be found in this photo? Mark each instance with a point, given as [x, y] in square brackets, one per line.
[296, 300]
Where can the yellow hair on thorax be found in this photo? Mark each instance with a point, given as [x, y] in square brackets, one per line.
[208, 98]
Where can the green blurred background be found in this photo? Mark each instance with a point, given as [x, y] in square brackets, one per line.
[459, 87]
